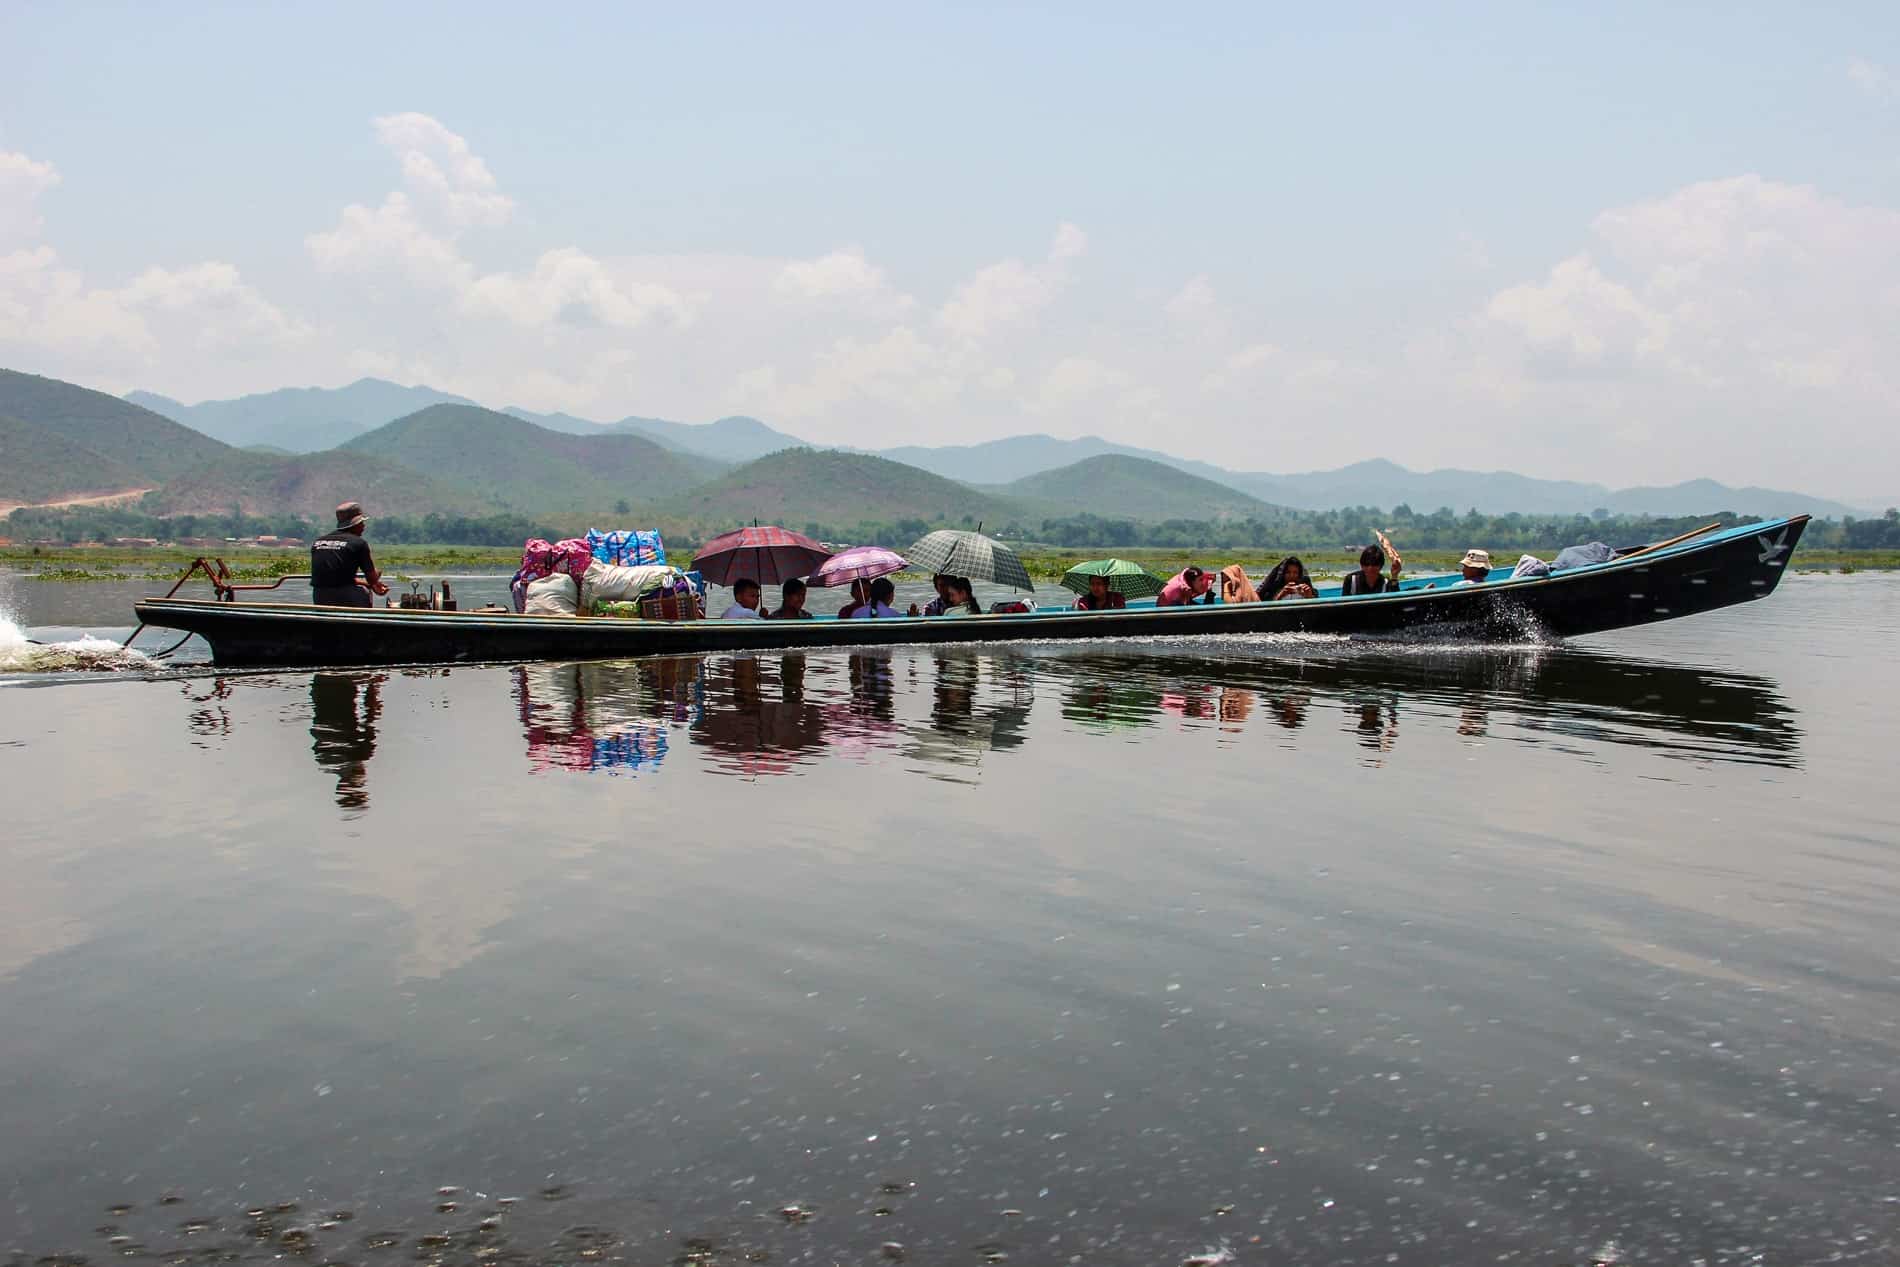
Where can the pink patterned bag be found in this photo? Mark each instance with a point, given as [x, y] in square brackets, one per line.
[539, 559]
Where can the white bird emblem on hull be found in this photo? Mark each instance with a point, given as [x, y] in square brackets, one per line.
[1771, 551]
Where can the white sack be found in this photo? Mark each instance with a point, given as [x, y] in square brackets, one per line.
[554, 595]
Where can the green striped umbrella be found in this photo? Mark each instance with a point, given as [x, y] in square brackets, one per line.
[1130, 580]
[951, 553]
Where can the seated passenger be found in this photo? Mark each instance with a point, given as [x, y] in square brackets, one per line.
[1184, 587]
[935, 606]
[1235, 587]
[1100, 597]
[791, 601]
[1288, 580]
[1476, 565]
[1368, 579]
[959, 599]
[745, 601]
[882, 592]
[860, 596]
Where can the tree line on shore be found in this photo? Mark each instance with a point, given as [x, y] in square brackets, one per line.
[1344, 528]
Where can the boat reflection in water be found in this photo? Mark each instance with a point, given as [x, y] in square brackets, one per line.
[603, 716]
[944, 708]
[344, 710]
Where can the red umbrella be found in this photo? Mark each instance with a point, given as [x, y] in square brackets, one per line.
[767, 555]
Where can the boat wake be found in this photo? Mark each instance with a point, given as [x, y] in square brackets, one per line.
[21, 654]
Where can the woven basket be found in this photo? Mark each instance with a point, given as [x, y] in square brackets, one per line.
[670, 607]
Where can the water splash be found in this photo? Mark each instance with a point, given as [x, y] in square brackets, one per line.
[20, 654]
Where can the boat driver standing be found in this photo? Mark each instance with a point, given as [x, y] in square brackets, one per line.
[335, 559]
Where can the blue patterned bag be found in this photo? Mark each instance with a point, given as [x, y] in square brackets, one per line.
[624, 547]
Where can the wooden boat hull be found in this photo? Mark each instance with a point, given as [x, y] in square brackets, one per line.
[1734, 566]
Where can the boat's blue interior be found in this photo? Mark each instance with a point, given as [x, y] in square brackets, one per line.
[1497, 574]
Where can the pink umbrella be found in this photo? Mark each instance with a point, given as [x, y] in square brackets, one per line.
[767, 555]
[860, 563]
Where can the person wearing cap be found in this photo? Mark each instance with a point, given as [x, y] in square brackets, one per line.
[1476, 566]
[335, 559]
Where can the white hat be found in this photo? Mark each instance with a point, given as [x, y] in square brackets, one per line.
[1477, 559]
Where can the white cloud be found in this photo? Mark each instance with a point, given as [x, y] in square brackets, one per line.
[203, 308]
[414, 236]
[1694, 328]
[439, 167]
[998, 296]
[1725, 286]
[214, 305]
[50, 312]
[570, 288]
[22, 181]
[1876, 81]
[389, 241]
[843, 279]
[1195, 303]
[47, 307]
[1578, 321]
[1069, 244]
[1009, 293]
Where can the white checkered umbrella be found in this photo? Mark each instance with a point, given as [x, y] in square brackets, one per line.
[951, 553]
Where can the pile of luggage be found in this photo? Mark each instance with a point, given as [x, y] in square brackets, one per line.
[621, 573]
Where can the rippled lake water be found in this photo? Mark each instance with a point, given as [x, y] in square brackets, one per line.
[1291, 950]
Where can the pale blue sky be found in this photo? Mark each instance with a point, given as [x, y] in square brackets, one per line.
[1356, 184]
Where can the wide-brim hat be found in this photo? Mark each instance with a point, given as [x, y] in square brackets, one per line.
[350, 515]
[1477, 559]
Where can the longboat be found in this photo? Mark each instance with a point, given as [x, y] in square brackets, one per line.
[1664, 582]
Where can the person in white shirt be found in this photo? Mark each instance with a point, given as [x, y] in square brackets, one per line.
[745, 601]
[1476, 566]
[882, 592]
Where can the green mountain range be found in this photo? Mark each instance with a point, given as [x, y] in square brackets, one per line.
[796, 487]
[513, 465]
[308, 485]
[1121, 487]
[97, 439]
[59, 441]
[38, 464]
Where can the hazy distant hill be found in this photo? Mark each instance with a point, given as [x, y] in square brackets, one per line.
[97, 438]
[799, 486]
[1016, 457]
[515, 465]
[300, 419]
[1699, 496]
[308, 419]
[734, 439]
[1371, 483]
[1115, 486]
[1387, 484]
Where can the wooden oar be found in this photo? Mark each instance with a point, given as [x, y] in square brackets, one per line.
[1663, 545]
